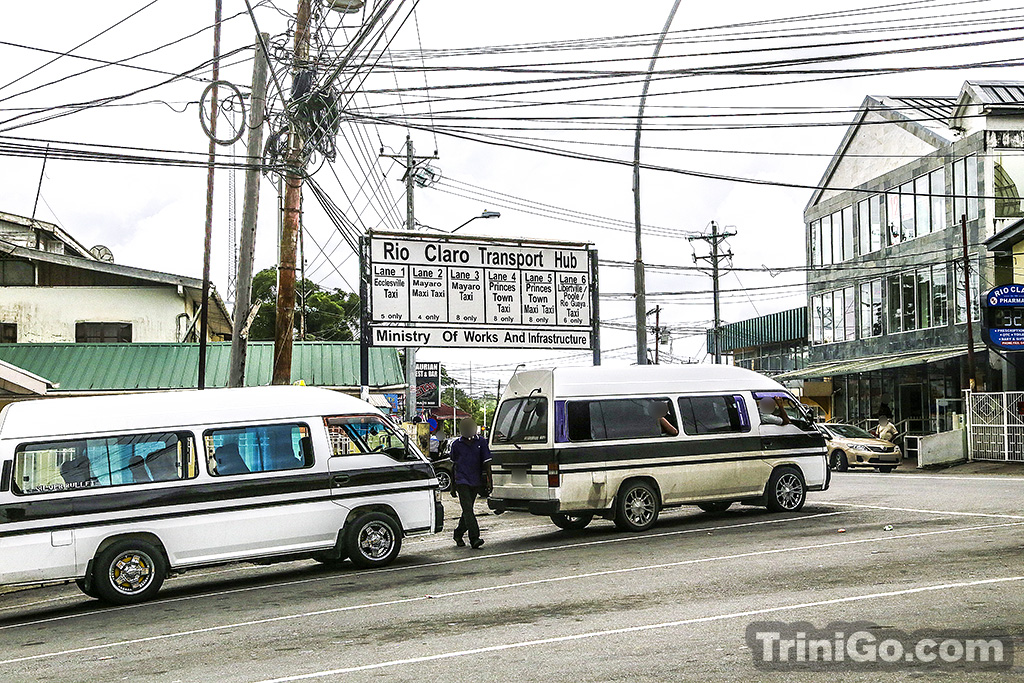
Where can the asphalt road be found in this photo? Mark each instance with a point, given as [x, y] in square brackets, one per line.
[539, 604]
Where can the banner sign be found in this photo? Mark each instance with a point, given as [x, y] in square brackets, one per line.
[427, 291]
[428, 385]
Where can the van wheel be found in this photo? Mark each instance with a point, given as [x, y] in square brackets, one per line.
[128, 571]
[373, 540]
[571, 522]
[636, 506]
[444, 480]
[786, 491]
[715, 507]
[838, 462]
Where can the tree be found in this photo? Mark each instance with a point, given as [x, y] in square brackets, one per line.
[331, 314]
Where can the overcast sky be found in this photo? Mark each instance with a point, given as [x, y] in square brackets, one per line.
[153, 216]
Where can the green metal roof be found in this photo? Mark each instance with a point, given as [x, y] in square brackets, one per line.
[153, 366]
[773, 328]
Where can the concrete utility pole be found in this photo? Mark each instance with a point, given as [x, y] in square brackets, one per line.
[639, 284]
[204, 310]
[715, 239]
[411, 162]
[657, 335]
[971, 376]
[250, 209]
[291, 224]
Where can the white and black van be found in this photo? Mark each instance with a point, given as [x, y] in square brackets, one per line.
[116, 492]
[625, 442]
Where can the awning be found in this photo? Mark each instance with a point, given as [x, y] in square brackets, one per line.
[380, 401]
[445, 413]
[15, 380]
[853, 367]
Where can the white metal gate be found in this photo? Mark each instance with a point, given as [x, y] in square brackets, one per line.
[995, 425]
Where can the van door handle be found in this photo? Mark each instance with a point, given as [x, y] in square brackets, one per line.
[340, 479]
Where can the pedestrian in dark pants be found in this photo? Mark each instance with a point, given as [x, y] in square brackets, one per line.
[469, 454]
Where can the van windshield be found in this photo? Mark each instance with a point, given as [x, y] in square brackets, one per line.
[522, 420]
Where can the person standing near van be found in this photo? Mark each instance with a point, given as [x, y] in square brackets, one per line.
[470, 456]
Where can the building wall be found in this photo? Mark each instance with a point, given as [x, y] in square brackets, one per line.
[944, 245]
[862, 162]
[49, 314]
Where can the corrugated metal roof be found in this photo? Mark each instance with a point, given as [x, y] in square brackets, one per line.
[146, 366]
[773, 328]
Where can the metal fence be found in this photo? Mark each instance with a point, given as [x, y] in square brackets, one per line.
[995, 426]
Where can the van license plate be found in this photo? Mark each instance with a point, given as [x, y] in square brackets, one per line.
[520, 475]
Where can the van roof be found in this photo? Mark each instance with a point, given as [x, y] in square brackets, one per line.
[634, 379]
[43, 418]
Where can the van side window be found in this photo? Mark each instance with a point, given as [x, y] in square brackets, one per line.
[108, 461]
[360, 434]
[627, 418]
[778, 408]
[713, 414]
[265, 448]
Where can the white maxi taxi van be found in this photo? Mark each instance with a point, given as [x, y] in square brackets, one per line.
[116, 492]
[624, 443]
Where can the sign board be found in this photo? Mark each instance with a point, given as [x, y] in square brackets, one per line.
[428, 385]
[1003, 318]
[427, 291]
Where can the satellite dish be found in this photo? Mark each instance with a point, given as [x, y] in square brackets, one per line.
[102, 253]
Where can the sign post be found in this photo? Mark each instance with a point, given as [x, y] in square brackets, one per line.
[474, 292]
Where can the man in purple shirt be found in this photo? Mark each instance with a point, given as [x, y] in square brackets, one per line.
[469, 455]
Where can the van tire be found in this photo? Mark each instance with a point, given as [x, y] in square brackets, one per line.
[128, 571]
[86, 587]
[717, 506]
[571, 522]
[838, 462]
[373, 540]
[786, 490]
[636, 506]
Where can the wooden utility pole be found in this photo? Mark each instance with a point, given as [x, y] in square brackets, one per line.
[204, 309]
[250, 209]
[971, 376]
[715, 239]
[411, 162]
[291, 224]
[657, 334]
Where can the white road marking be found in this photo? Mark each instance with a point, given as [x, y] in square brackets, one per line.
[439, 563]
[950, 513]
[499, 587]
[638, 629]
[988, 478]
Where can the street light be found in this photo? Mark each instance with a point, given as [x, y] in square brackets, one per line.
[485, 214]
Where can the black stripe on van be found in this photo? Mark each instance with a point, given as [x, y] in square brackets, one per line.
[148, 496]
[661, 448]
[135, 518]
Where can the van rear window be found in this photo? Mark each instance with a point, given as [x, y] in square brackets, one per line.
[626, 418]
[522, 420]
[110, 461]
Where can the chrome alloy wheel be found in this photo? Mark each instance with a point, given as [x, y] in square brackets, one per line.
[789, 491]
[639, 506]
[131, 572]
[376, 540]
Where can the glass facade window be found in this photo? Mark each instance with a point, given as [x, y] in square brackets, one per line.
[940, 296]
[924, 297]
[960, 315]
[848, 241]
[872, 320]
[893, 304]
[892, 214]
[869, 215]
[965, 188]
[907, 201]
[1007, 184]
[833, 238]
[833, 316]
[815, 231]
[937, 187]
[922, 206]
[826, 240]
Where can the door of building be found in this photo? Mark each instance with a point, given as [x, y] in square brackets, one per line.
[911, 408]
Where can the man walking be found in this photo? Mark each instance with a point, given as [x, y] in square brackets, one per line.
[469, 455]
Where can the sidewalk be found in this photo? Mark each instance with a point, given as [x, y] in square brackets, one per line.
[1006, 469]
